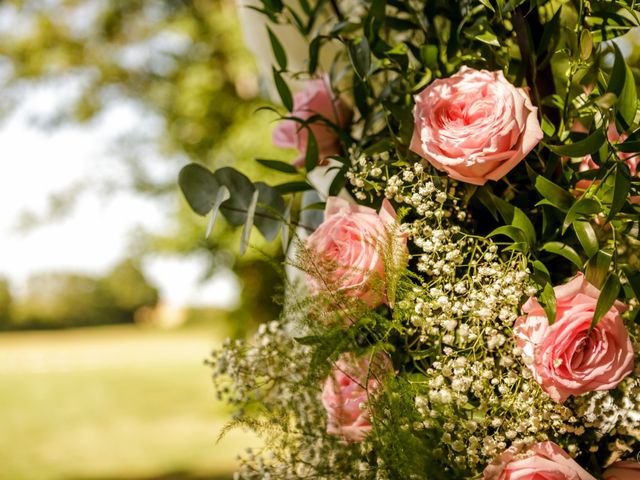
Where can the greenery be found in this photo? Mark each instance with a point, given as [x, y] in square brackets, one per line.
[59, 299]
[465, 388]
[556, 49]
[111, 403]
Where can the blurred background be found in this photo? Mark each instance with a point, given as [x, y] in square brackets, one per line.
[110, 296]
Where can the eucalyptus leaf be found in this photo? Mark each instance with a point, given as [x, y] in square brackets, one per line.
[199, 187]
[222, 196]
[241, 189]
[248, 224]
[269, 211]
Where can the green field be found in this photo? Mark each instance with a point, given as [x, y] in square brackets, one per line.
[111, 403]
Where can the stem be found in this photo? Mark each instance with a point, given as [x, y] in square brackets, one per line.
[336, 9]
[258, 214]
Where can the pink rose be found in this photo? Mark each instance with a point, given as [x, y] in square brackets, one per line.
[587, 163]
[475, 125]
[564, 357]
[346, 393]
[348, 250]
[542, 461]
[627, 470]
[317, 98]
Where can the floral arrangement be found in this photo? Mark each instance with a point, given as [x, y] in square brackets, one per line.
[461, 229]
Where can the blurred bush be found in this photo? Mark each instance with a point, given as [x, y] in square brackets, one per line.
[60, 299]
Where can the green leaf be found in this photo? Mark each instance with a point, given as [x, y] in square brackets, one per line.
[199, 187]
[550, 29]
[269, 211]
[629, 147]
[548, 301]
[487, 4]
[248, 223]
[555, 194]
[586, 146]
[541, 272]
[360, 57]
[338, 182]
[586, 44]
[278, 51]
[634, 282]
[587, 237]
[488, 37]
[622, 84]
[283, 90]
[521, 221]
[241, 189]
[311, 157]
[314, 53]
[222, 196]
[486, 198]
[598, 268]
[277, 165]
[291, 187]
[584, 206]
[559, 248]
[510, 231]
[608, 296]
[621, 187]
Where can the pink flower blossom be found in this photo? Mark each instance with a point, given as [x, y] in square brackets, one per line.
[474, 125]
[348, 250]
[565, 358]
[317, 98]
[542, 461]
[346, 391]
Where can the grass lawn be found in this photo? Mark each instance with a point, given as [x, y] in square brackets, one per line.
[111, 403]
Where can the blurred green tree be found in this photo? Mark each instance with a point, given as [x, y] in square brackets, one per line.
[6, 302]
[61, 299]
[183, 61]
[128, 289]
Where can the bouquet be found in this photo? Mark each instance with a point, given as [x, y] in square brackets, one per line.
[461, 232]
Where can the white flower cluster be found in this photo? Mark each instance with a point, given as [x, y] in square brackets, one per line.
[271, 371]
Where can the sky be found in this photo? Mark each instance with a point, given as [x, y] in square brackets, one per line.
[96, 233]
